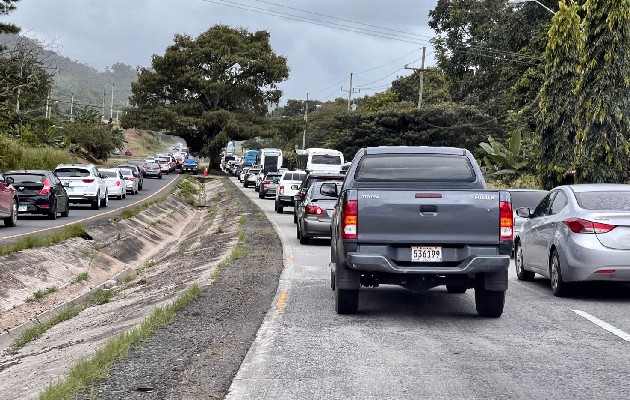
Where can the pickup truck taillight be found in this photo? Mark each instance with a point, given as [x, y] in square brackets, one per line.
[349, 219]
[281, 189]
[507, 220]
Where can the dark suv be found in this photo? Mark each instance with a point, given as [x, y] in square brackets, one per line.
[308, 182]
[8, 201]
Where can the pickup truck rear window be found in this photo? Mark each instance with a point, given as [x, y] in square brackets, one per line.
[414, 168]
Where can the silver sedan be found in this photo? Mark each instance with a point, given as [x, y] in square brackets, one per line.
[577, 233]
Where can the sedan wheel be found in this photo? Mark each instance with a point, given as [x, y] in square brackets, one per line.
[53, 212]
[558, 287]
[66, 212]
[521, 273]
[12, 219]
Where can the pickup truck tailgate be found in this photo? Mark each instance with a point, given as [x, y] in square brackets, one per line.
[420, 217]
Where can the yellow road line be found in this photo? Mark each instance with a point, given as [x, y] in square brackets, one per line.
[94, 216]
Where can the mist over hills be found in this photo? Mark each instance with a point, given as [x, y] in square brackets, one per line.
[89, 86]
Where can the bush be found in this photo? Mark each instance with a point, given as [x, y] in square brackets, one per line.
[16, 155]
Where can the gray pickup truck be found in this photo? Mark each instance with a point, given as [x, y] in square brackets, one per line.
[420, 217]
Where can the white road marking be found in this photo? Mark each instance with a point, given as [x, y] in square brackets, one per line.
[604, 325]
[94, 216]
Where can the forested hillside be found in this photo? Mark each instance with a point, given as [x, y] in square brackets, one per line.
[88, 85]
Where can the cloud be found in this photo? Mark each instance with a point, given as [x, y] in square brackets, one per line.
[102, 33]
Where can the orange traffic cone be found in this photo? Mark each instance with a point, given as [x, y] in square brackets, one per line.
[205, 172]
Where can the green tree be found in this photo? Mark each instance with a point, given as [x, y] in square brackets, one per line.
[603, 92]
[6, 6]
[209, 89]
[558, 109]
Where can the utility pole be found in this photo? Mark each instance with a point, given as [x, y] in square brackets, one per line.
[103, 113]
[350, 91]
[111, 105]
[47, 102]
[72, 108]
[421, 69]
[306, 125]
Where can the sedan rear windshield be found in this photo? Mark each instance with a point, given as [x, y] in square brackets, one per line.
[110, 174]
[27, 178]
[126, 172]
[415, 168]
[72, 172]
[153, 165]
[605, 201]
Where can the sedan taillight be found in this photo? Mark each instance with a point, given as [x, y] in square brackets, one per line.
[313, 210]
[578, 225]
[88, 180]
[46, 189]
[117, 183]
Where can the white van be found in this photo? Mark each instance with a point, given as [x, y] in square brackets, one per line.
[319, 160]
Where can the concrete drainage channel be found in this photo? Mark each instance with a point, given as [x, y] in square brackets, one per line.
[143, 262]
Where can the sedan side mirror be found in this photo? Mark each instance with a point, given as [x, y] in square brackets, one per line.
[524, 212]
[329, 190]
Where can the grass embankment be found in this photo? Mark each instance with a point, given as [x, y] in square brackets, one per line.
[101, 296]
[98, 366]
[32, 242]
[18, 155]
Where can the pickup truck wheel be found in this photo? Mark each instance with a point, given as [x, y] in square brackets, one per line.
[456, 289]
[346, 301]
[11, 220]
[559, 288]
[279, 209]
[294, 217]
[489, 304]
[521, 273]
[332, 280]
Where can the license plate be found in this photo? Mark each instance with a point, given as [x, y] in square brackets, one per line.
[426, 254]
[22, 208]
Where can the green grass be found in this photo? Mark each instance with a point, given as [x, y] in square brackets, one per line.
[41, 293]
[99, 297]
[132, 212]
[237, 252]
[98, 366]
[32, 242]
[84, 276]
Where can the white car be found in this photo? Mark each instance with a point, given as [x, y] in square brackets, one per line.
[131, 182]
[84, 184]
[287, 188]
[116, 186]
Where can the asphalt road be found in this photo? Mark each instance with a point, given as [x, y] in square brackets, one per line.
[79, 213]
[431, 345]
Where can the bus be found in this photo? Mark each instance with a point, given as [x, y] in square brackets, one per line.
[319, 160]
[250, 158]
[270, 160]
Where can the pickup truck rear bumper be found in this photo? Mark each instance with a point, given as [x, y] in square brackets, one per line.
[470, 265]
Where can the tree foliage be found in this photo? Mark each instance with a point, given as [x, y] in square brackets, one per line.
[602, 145]
[6, 6]
[209, 89]
[557, 124]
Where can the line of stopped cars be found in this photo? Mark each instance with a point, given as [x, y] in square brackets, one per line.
[51, 193]
[572, 234]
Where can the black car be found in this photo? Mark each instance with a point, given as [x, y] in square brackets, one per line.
[40, 192]
[137, 172]
[306, 184]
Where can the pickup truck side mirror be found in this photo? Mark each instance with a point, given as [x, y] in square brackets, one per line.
[524, 212]
[329, 190]
[9, 180]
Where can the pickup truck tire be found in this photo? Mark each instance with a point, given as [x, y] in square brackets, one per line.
[279, 208]
[346, 301]
[456, 289]
[521, 273]
[489, 304]
[559, 288]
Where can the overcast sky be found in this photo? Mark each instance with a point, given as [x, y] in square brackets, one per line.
[101, 33]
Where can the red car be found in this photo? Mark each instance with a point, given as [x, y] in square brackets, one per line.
[128, 153]
[8, 201]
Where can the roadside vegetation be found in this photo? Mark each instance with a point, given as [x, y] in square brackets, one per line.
[98, 366]
[190, 190]
[100, 296]
[32, 242]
